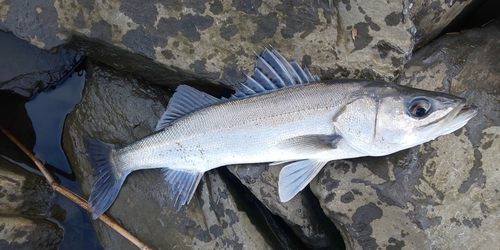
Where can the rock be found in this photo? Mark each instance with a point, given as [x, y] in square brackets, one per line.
[439, 195]
[172, 42]
[121, 109]
[23, 192]
[25, 200]
[301, 213]
[25, 68]
[476, 14]
[431, 17]
[24, 233]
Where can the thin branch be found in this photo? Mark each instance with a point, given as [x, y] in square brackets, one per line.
[74, 197]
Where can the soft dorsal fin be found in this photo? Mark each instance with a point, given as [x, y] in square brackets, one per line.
[272, 72]
[185, 100]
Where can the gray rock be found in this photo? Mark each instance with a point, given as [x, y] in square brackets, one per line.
[186, 41]
[120, 109]
[300, 213]
[431, 17]
[25, 200]
[23, 192]
[25, 68]
[29, 233]
[442, 194]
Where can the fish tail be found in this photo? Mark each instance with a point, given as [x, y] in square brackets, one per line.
[109, 178]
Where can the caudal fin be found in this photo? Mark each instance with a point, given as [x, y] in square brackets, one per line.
[108, 179]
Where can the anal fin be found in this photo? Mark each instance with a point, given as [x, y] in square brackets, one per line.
[296, 176]
[183, 184]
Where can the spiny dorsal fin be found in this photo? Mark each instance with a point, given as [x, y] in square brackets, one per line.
[185, 100]
[295, 68]
[282, 68]
[271, 72]
[294, 79]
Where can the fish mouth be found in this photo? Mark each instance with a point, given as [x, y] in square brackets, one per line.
[459, 117]
[468, 109]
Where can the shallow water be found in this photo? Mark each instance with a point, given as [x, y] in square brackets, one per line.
[48, 110]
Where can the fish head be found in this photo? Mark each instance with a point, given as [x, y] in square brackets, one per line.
[384, 118]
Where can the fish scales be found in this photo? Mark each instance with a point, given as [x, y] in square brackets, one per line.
[304, 124]
[211, 137]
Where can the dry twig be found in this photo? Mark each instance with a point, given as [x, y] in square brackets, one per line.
[74, 197]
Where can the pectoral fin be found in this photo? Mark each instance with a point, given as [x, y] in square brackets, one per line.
[312, 142]
[295, 176]
[280, 162]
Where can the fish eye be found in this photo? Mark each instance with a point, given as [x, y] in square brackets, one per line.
[419, 107]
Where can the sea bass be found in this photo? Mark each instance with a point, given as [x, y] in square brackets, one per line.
[283, 115]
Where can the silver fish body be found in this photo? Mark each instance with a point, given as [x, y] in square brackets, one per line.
[248, 130]
[296, 119]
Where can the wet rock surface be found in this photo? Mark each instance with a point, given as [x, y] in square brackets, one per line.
[22, 192]
[29, 233]
[109, 110]
[25, 200]
[25, 68]
[442, 194]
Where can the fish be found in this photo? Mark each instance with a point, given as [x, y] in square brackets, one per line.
[281, 114]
